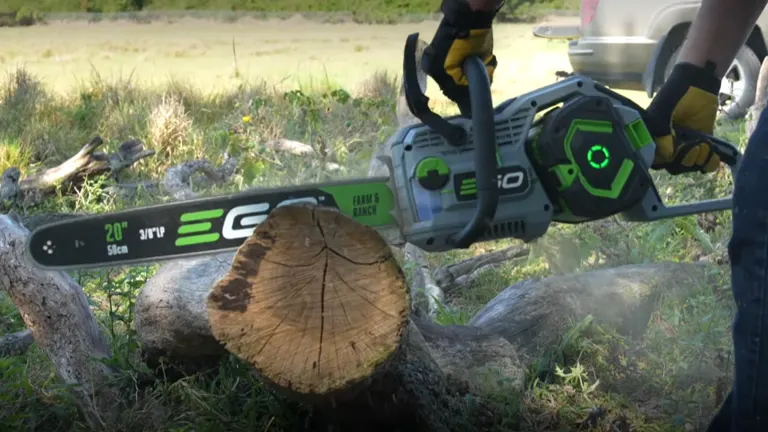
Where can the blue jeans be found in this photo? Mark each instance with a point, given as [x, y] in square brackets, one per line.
[746, 407]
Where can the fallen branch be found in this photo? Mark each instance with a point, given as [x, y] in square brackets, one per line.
[289, 146]
[56, 311]
[178, 179]
[463, 273]
[427, 296]
[16, 344]
[85, 163]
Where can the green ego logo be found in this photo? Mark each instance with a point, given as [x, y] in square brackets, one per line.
[239, 222]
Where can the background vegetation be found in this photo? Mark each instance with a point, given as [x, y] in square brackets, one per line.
[670, 378]
[25, 12]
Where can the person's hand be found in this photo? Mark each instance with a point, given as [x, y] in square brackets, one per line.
[463, 32]
[687, 99]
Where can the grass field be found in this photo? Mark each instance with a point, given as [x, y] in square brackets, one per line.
[290, 53]
[187, 98]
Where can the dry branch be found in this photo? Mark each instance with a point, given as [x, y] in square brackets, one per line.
[16, 344]
[463, 273]
[86, 162]
[289, 146]
[56, 311]
[179, 179]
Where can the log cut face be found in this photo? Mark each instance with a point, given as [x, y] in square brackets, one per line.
[314, 301]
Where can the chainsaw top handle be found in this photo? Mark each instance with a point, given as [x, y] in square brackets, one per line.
[483, 135]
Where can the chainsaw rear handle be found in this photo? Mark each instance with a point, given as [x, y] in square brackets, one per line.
[483, 134]
[728, 153]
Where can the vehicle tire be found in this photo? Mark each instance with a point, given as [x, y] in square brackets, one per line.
[739, 84]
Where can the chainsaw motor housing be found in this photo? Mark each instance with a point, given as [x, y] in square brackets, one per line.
[592, 154]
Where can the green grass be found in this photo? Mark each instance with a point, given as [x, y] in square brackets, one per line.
[667, 379]
[365, 11]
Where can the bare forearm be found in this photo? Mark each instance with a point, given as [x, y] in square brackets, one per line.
[720, 28]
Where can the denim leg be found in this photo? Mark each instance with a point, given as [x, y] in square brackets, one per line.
[746, 408]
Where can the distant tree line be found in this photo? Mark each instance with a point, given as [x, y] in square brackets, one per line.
[376, 10]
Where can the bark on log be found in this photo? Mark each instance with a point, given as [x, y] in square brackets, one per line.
[272, 291]
[56, 311]
[529, 316]
[171, 314]
[534, 314]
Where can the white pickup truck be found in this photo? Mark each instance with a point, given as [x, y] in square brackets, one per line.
[632, 45]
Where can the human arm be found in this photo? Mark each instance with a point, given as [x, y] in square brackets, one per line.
[719, 30]
[689, 97]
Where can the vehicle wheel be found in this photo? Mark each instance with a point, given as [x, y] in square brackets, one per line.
[737, 92]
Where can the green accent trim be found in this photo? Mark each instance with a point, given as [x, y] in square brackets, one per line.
[468, 186]
[432, 164]
[371, 204]
[566, 178]
[195, 228]
[202, 215]
[618, 182]
[626, 165]
[639, 135]
[198, 239]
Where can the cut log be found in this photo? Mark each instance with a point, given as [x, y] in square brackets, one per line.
[318, 305]
[56, 311]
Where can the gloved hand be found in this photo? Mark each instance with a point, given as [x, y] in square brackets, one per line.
[688, 99]
[462, 33]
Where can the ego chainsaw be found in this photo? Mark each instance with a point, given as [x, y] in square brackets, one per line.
[505, 173]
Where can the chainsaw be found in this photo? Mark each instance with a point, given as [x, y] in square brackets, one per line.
[571, 152]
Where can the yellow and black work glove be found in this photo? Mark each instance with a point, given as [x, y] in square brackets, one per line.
[687, 99]
[462, 33]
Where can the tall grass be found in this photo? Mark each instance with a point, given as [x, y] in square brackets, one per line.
[669, 378]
